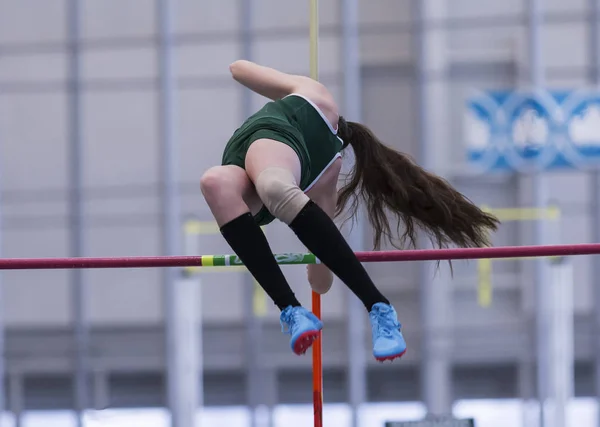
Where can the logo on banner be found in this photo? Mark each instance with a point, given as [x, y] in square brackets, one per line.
[532, 131]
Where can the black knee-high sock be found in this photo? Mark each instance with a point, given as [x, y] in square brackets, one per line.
[321, 236]
[250, 244]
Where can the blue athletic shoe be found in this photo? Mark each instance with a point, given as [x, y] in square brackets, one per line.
[302, 325]
[388, 342]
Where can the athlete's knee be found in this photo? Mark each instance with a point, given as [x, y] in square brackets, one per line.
[218, 181]
[280, 193]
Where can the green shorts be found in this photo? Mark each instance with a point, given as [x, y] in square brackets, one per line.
[273, 128]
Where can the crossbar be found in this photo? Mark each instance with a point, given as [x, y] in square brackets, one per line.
[300, 258]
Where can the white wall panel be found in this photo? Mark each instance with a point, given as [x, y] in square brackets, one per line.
[36, 298]
[485, 9]
[127, 296]
[384, 11]
[567, 79]
[206, 60]
[135, 201]
[565, 51]
[18, 205]
[32, 21]
[467, 311]
[117, 18]
[33, 68]
[566, 45]
[223, 297]
[292, 54]
[571, 6]
[485, 41]
[193, 16]
[275, 14]
[194, 206]
[120, 137]
[207, 119]
[33, 141]
[119, 64]
[381, 49]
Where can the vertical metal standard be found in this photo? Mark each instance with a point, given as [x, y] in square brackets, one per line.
[170, 213]
[16, 397]
[357, 357]
[75, 159]
[189, 330]
[561, 347]
[186, 355]
[317, 348]
[436, 293]
[536, 80]
[594, 43]
[101, 392]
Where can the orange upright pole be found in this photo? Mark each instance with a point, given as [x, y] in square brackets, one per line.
[317, 360]
[317, 351]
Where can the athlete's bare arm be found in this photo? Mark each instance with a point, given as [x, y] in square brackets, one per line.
[275, 84]
[269, 82]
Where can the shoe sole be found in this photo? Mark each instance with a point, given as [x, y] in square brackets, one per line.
[304, 341]
[390, 358]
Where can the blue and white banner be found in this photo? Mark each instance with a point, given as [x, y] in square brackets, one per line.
[529, 131]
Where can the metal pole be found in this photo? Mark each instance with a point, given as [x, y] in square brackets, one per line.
[76, 214]
[170, 207]
[536, 80]
[594, 43]
[246, 8]
[357, 357]
[435, 289]
[188, 311]
[317, 348]
[186, 355]
[561, 348]
[16, 397]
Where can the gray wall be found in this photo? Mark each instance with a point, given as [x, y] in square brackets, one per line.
[486, 46]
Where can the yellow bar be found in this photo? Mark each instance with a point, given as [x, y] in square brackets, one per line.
[200, 227]
[484, 289]
[484, 266]
[259, 300]
[525, 259]
[314, 40]
[524, 214]
[225, 269]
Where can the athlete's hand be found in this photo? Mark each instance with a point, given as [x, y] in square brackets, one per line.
[319, 277]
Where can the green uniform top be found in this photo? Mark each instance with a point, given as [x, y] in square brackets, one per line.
[296, 122]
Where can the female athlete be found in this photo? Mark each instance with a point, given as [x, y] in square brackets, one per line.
[284, 162]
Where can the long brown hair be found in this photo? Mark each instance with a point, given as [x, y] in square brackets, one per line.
[389, 182]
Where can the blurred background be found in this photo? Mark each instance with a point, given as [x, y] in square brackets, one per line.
[111, 110]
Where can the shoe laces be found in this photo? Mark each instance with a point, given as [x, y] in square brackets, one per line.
[288, 320]
[385, 324]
